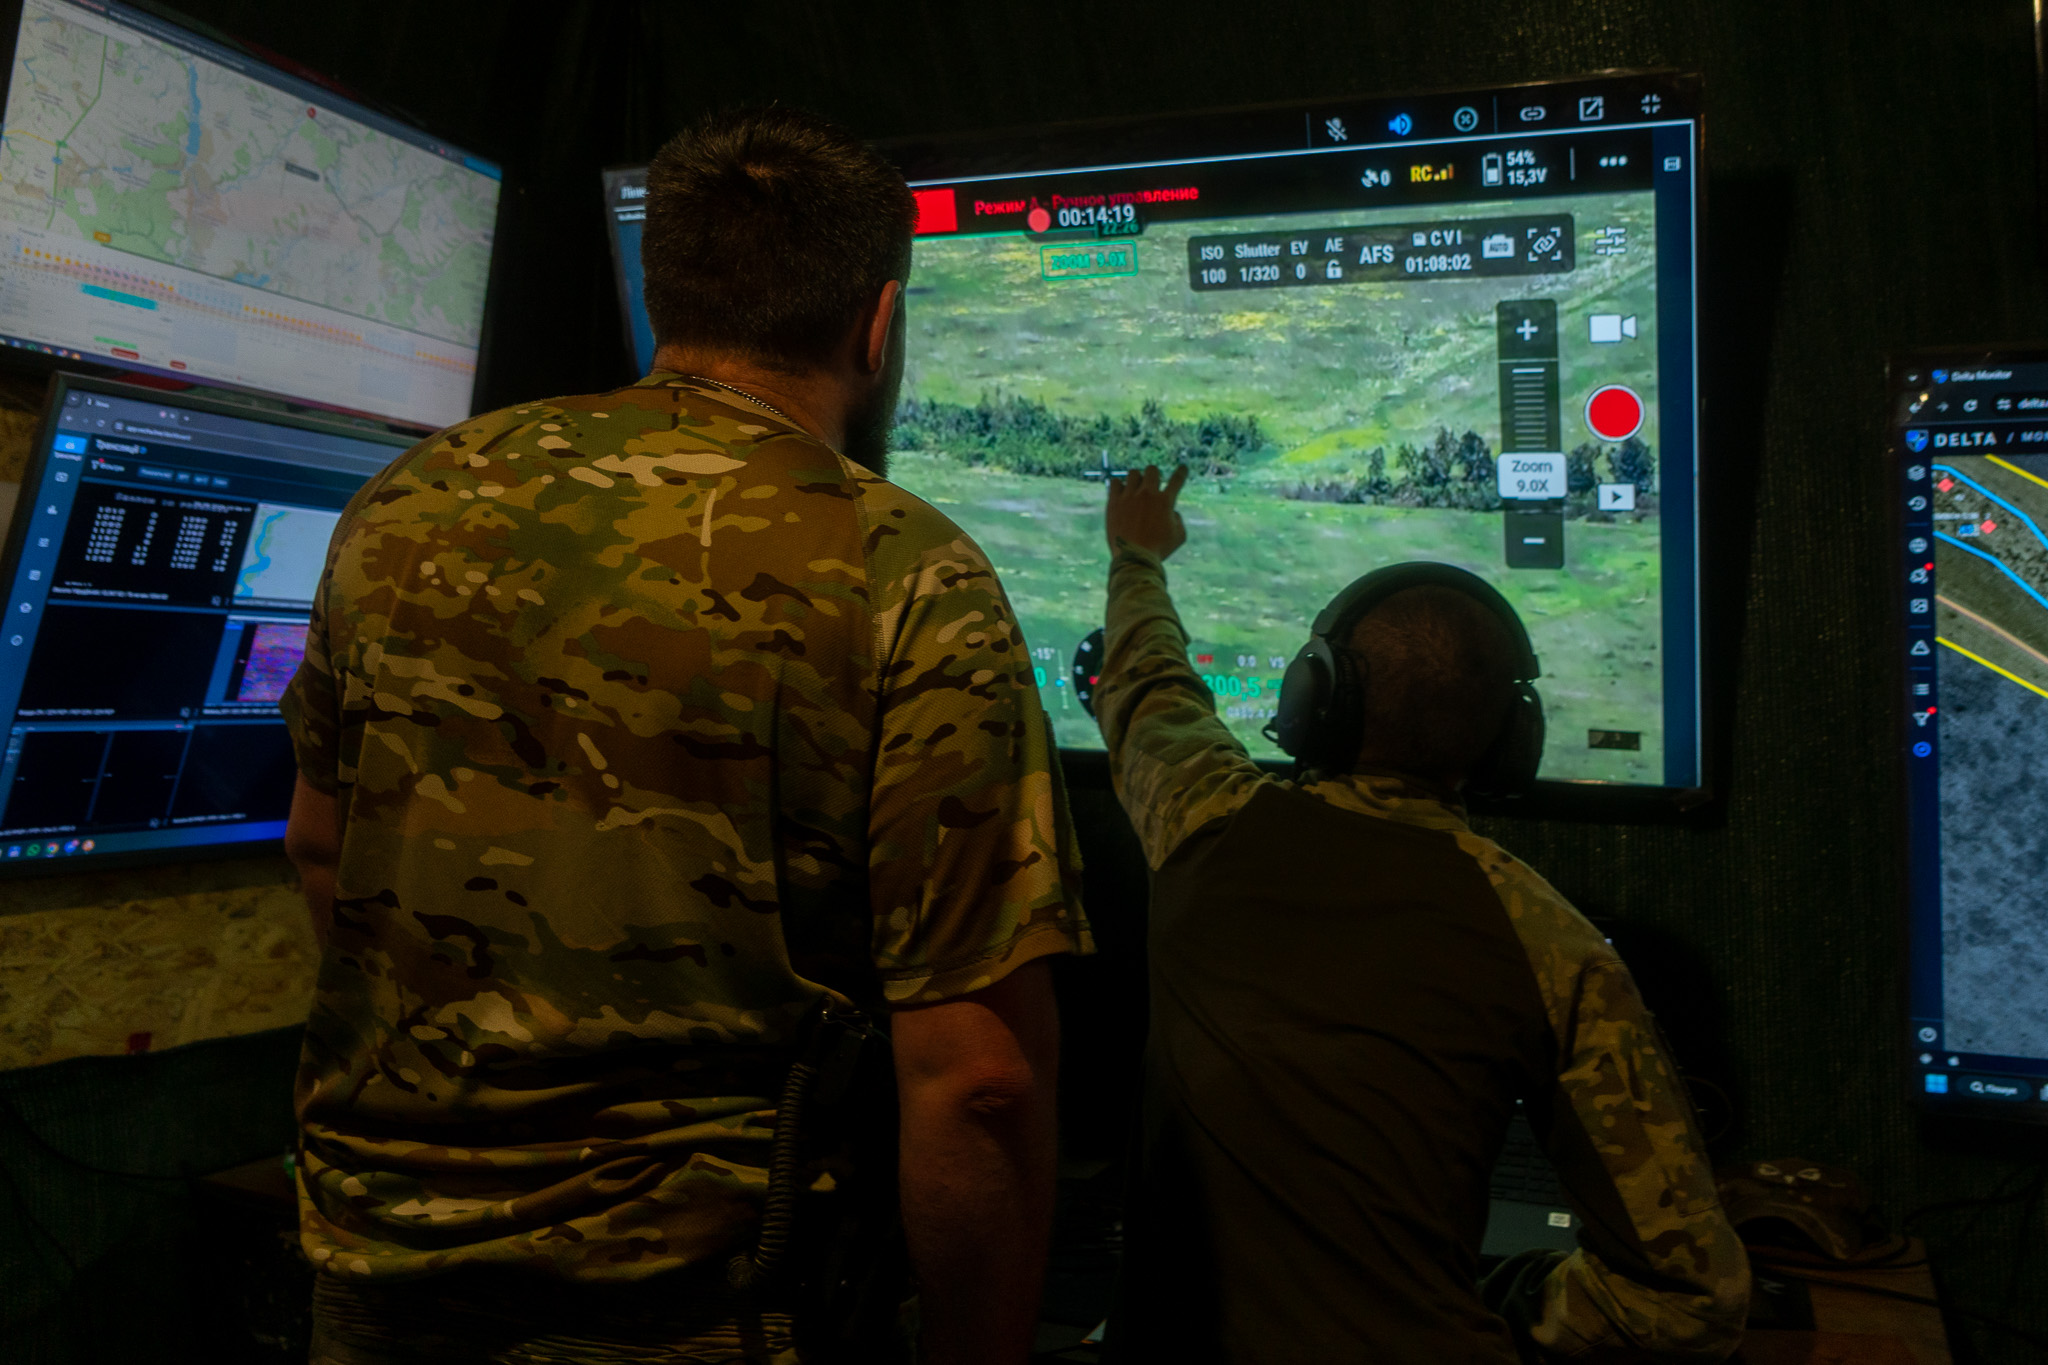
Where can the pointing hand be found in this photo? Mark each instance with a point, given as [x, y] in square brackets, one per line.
[1141, 512]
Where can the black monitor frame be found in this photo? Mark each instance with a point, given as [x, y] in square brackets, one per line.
[1433, 116]
[12, 549]
[1919, 910]
[44, 362]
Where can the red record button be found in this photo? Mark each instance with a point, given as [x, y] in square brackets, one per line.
[1614, 412]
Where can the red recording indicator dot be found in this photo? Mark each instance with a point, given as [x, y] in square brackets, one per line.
[1038, 220]
[1614, 412]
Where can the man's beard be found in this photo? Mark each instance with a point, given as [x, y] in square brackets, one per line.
[868, 426]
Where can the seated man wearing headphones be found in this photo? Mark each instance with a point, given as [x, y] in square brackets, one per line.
[1349, 992]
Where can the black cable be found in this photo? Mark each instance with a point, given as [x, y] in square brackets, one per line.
[1967, 1314]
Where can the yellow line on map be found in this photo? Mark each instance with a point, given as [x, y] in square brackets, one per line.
[2003, 673]
[2015, 641]
[2007, 464]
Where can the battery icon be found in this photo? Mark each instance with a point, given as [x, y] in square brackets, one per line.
[1490, 169]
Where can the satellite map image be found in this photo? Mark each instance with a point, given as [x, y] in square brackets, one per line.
[1990, 571]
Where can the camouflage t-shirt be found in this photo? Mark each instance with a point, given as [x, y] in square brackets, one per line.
[650, 719]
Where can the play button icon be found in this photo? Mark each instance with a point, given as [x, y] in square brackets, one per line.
[1614, 412]
[1617, 497]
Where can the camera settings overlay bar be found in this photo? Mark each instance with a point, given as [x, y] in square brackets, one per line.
[1471, 248]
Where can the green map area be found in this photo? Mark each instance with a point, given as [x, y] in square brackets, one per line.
[119, 140]
[1330, 430]
[1991, 563]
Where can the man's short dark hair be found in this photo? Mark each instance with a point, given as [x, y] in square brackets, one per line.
[1439, 668]
[768, 231]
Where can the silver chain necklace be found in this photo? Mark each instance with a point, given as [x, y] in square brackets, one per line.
[729, 388]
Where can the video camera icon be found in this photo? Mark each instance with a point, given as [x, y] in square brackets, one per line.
[1605, 329]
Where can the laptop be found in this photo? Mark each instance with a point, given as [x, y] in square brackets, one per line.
[1528, 1206]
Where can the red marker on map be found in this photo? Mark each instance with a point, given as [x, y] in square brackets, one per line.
[1988, 527]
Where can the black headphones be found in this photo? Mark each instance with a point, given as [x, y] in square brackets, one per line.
[1320, 715]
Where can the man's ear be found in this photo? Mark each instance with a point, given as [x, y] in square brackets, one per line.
[888, 307]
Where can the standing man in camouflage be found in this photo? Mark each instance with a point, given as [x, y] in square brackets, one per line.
[1350, 990]
[632, 726]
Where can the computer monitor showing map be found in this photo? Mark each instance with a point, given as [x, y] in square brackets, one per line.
[1969, 444]
[168, 204]
[1456, 327]
[159, 573]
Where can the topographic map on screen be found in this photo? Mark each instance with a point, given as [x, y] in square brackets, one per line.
[168, 209]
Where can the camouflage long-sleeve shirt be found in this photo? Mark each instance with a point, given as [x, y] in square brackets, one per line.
[1350, 991]
[651, 719]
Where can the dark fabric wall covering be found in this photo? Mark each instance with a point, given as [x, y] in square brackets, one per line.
[1871, 183]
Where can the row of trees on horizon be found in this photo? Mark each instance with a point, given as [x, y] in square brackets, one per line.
[1025, 436]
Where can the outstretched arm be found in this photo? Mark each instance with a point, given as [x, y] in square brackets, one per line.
[1175, 765]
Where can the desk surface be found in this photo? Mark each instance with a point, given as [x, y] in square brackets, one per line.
[1852, 1328]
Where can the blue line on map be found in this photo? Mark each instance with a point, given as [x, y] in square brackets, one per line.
[116, 296]
[192, 93]
[1953, 473]
[2025, 586]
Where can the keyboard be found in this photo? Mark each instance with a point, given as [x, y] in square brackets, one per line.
[1524, 1173]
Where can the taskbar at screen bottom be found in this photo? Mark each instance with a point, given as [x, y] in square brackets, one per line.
[2000, 1087]
[44, 854]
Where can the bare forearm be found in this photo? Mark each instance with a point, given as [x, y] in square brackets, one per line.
[316, 883]
[977, 1207]
[977, 1079]
[312, 840]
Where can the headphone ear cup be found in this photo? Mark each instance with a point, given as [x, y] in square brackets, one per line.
[1304, 701]
[1509, 767]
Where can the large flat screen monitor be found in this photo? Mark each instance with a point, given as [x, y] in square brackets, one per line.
[1455, 327]
[168, 204]
[159, 573]
[1969, 445]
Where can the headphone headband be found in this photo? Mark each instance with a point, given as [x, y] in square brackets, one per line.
[1350, 606]
[1318, 717]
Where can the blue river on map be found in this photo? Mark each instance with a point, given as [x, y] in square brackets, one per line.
[245, 585]
[192, 90]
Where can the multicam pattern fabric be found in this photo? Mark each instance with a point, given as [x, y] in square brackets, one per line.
[650, 719]
[1660, 1272]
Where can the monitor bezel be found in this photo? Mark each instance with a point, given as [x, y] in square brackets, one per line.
[1018, 149]
[11, 549]
[609, 176]
[1953, 1107]
[45, 364]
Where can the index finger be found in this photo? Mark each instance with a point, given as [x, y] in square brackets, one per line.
[1180, 476]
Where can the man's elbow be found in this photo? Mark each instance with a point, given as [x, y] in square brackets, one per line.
[1708, 1325]
[993, 1095]
[1725, 1307]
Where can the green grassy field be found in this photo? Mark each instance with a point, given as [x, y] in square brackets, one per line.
[1257, 567]
[1330, 373]
[1327, 370]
